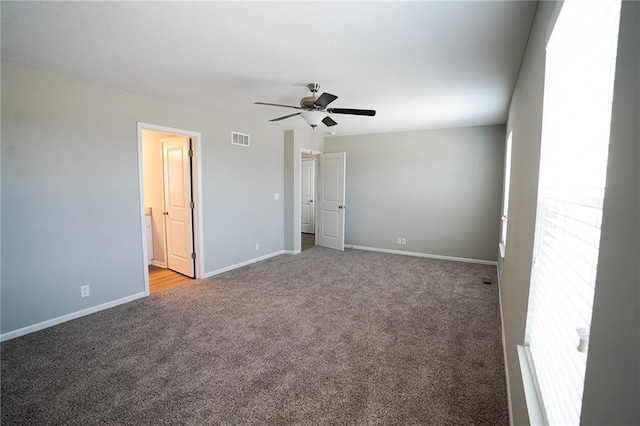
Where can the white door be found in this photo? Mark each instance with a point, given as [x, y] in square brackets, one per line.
[177, 205]
[331, 185]
[307, 194]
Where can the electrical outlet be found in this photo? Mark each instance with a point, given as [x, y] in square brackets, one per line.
[84, 291]
[399, 240]
[404, 241]
[257, 246]
[276, 196]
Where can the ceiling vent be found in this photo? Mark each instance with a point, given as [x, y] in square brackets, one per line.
[239, 139]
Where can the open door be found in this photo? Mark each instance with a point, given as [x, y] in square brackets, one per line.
[178, 206]
[331, 205]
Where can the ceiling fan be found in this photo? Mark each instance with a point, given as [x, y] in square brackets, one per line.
[314, 108]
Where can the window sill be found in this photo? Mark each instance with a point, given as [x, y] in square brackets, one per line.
[534, 407]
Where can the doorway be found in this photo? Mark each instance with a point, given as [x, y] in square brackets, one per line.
[169, 199]
[322, 199]
[307, 200]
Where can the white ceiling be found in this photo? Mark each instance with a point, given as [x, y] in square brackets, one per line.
[421, 65]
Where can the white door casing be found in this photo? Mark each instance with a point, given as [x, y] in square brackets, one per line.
[331, 199]
[178, 205]
[307, 195]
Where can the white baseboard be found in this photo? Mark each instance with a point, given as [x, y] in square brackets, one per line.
[504, 352]
[241, 264]
[162, 265]
[292, 251]
[431, 256]
[68, 317]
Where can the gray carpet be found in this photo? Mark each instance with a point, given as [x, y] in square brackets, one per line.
[323, 337]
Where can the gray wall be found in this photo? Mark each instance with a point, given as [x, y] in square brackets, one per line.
[611, 393]
[525, 119]
[439, 189]
[70, 192]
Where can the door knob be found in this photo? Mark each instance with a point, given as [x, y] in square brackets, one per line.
[311, 201]
[165, 213]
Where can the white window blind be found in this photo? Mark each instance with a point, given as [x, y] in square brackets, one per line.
[578, 92]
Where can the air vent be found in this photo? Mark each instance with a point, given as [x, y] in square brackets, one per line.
[239, 139]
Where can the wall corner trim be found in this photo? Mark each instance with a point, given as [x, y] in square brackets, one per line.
[504, 353]
[68, 317]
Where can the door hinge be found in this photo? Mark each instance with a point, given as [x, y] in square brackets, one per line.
[192, 205]
[193, 256]
[191, 153]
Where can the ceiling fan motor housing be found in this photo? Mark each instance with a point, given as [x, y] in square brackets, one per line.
[308, 101]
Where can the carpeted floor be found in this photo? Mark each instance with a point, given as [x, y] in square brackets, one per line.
[322, 337]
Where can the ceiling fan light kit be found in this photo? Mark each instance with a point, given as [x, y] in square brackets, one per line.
[313, 118]
[315, 111]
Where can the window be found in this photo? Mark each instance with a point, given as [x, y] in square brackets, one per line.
[505, 200]
[576, 119]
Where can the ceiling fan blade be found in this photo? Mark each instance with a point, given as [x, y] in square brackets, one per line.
[324, 100]
[328, 121]
[286, 116]
[369, 112]
[278, 105]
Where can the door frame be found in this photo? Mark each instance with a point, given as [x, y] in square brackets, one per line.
[299, 197]
[196, 188]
